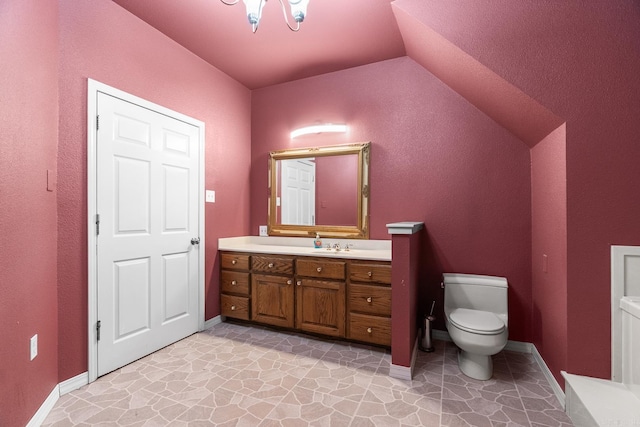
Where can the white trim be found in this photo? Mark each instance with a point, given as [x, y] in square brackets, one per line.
[404, 227]
[74, 383]
[619, 255]
[517, 346]
[405, 372]
[437, 334]
[400, 372]
[557, 390]
[46, 407]
[93, 87]
[212, 322]
[521, 347]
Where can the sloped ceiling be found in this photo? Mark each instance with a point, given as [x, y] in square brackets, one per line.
[340, 34]
[516, 111]
[336, 35]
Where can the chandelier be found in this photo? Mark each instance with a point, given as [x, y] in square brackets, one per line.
[254, 11]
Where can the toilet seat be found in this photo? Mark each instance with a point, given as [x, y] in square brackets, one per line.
[476, 321]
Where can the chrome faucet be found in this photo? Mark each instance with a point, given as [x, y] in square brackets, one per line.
[337, 247]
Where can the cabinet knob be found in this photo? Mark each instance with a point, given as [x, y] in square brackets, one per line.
[270, 265]
[369, 330]
[299, 283]
[233, 308]
[233, 283]
[319, 269]
[370, 273]
[289, 282]
[234, 262]
[369, 299]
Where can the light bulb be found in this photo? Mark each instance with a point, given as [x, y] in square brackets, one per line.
[299, 9]
[254, 12]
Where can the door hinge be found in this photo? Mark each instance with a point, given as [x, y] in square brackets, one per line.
[98, 330]
[97, 224]
[98, 122]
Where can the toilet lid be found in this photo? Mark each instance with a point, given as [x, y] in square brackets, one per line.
[477, 321]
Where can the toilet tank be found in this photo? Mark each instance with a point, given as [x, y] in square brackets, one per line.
[476, 292]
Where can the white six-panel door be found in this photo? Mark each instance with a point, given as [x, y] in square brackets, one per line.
[147, 201]
[298, 201]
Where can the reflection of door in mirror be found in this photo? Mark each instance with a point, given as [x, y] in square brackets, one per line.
[337, 190]
[298, 196]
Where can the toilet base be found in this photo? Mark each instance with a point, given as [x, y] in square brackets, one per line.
[476, 366]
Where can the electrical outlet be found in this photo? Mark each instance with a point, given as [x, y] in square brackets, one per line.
[210, 196]
[34, 346]
[263, 230]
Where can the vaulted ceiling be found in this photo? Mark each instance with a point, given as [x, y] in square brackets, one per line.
[336, 34]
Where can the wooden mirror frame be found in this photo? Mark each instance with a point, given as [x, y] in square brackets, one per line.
[359, 231]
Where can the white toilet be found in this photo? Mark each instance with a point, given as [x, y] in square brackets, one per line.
[476, 316]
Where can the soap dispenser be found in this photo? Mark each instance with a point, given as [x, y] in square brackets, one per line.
[317, 243]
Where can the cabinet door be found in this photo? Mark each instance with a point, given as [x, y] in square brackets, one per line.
[272, 300]
[320, 307]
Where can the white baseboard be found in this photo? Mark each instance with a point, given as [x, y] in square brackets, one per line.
[439, 335]
[521, 347]
[212, 322]
[557, 390]
[74, 383]
[46, 407]
[400, 372]
[517, 346]
[405, 372]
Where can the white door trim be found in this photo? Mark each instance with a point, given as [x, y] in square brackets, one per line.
[625, 272]
[92, 95]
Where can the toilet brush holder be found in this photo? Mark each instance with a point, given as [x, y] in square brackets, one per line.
[426, 341]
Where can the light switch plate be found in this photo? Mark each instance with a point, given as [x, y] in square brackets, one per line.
[210, 196]
[33, 345]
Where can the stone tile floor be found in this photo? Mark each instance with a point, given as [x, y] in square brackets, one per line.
[237, 375]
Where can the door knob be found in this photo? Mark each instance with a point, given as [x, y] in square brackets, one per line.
[195, 241]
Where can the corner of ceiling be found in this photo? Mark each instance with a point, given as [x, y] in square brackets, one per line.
[510, 107]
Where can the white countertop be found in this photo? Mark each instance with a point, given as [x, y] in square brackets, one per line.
[377, 250]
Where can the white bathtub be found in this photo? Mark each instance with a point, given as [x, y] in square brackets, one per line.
[631, 343]
[594, 402]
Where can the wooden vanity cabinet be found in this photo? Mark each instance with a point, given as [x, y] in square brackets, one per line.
[272, 290]
[320, 296]
[235, 298]
[369, 302]
[342, 298]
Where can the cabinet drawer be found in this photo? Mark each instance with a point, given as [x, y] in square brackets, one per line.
[370, 299]
[235, 282]
[234, 261]
[372, 329]
[320, 268]
[370, 272]
[234, 306]
[271, 264]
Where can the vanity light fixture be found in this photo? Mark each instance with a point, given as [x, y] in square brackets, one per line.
[327, 127]
[254, 11]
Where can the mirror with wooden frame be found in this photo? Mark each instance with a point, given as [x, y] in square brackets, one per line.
[321, 190]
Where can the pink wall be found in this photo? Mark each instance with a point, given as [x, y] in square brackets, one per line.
[337, 190]
[434, 158]
[549, 249]
[579, 60]
[405, 274]
[28, 147]
[102, 41]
